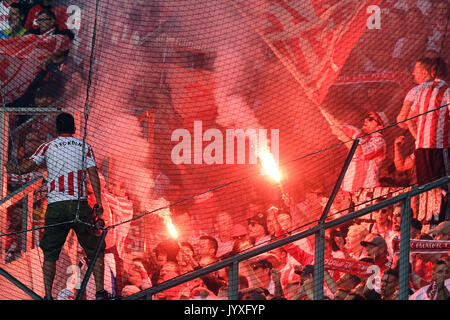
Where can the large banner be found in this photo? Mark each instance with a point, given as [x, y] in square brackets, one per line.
[21, 59]
[314, 38]
[271, 69]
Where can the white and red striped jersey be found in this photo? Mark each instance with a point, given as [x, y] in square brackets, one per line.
[364, 168]
[424, 292]
[121, 211]
[432, 126]
[414, 92]
[63, 158]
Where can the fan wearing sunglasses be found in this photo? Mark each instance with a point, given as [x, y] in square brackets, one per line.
[363, 171]
[60, 11]
[383, 223]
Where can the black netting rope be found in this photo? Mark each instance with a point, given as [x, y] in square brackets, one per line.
[248, 177]
[446, 32]
[86, 109]
[281, 166]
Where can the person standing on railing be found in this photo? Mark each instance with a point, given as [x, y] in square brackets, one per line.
[63, 158]
[421, 74]
[431, 130]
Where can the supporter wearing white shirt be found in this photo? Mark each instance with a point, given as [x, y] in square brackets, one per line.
[5, 5]
[363, 171]
[440, 286]
[67, 160]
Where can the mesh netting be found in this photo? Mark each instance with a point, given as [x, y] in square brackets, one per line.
[190, 108]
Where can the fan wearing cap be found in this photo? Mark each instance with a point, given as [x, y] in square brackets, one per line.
[363, 171]
[376, 249]
[257, 229]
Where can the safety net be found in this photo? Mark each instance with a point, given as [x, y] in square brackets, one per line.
[216, 127]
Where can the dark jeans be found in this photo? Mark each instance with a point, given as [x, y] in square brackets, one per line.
[432, 164]
[54, 237]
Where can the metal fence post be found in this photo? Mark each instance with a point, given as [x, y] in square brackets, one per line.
[4, 136]
[24, 222]
[404, 249]
[4, 132]
[338, 183]
[319, 251]
[233, 281]
[19, 284]
[91, 265]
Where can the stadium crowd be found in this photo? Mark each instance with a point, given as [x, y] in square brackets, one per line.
[286, 272]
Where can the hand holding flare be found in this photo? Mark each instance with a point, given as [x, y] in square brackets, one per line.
[269, 164]
[170, 227]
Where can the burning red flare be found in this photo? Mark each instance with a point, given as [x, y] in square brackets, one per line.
[269, 165]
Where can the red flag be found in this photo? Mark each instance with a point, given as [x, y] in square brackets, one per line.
[314, 38]
[21, 59]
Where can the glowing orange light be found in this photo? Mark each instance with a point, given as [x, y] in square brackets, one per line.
[171, 228]
[269, 165]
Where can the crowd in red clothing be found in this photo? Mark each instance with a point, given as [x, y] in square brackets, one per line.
[361, 258]
[287, 272]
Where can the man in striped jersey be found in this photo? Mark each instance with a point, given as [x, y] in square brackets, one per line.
[66, 195]
[431, 128]
[421, 75]
[363, 171]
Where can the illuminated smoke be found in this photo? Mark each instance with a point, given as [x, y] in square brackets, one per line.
[114, 128]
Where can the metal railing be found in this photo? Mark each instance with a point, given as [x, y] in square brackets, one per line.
[26, 195]
[23, 193]
[319, 231]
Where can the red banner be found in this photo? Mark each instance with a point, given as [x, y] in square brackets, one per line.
[397, 77]
[424, 246]
[314, 38]
[358, 268]
[21, 59]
